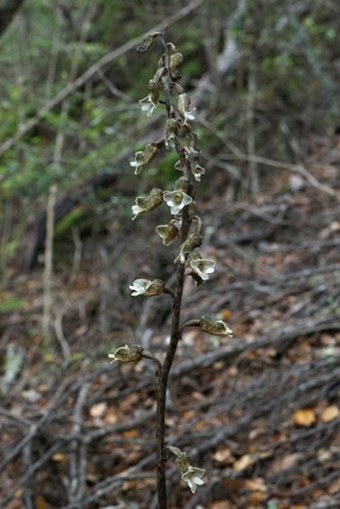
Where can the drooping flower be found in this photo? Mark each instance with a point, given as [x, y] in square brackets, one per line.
[146, 204]
[216, 328]
[127, 353]
[144, 157]
[176, 200]
[201, 266]
[191, 475]
[148, 103]
[138, 162]
[197, 172]
[193, 157]
[146, 287]
[192, 241]
[176, 60]
[183, 105]
[168, 232]
[171, 128]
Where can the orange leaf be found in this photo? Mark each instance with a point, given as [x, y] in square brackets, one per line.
[41, 503]
[59, 458]
[133, 433]
[304, 417]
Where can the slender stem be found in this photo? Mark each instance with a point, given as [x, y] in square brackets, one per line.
[176, 333]
[162, 388]
[176, 329]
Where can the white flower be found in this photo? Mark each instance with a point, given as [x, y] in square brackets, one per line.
[203, 267]
[193, 477]
[136, 210]
[138, 162]
[183, 107]
[139, 286]
[147, 105]
[176, 200]
[197, 172]
[147, 287]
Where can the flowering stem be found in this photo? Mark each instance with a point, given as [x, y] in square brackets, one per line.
[176, 334]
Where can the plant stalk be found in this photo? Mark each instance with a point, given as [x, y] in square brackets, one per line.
[176, 334]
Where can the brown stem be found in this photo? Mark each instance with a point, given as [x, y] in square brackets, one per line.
[176, 334]
[176, 330]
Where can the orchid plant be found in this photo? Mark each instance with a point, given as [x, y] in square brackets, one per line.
[185, 228]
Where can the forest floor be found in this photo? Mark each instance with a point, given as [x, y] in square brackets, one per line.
[260, 412]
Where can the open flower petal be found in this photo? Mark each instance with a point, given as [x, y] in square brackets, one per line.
[147, 288]
[147, 105]
[176, 200]
[193, 477]
[139, 286]
[203, 267]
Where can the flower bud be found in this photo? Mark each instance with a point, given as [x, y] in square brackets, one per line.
[176, 60]
[215, 328]
[127, 354]
[147, 41]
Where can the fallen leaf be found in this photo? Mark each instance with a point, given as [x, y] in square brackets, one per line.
[111, 417]
[330, 413]
[259, 490]
[41, 503]
[287, 462]
[59, 458]
[133, 433]
[304, 417]
[223, 456]
[98, 410]
[244, 462]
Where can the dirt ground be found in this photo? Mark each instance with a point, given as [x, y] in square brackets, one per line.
[260, 412]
